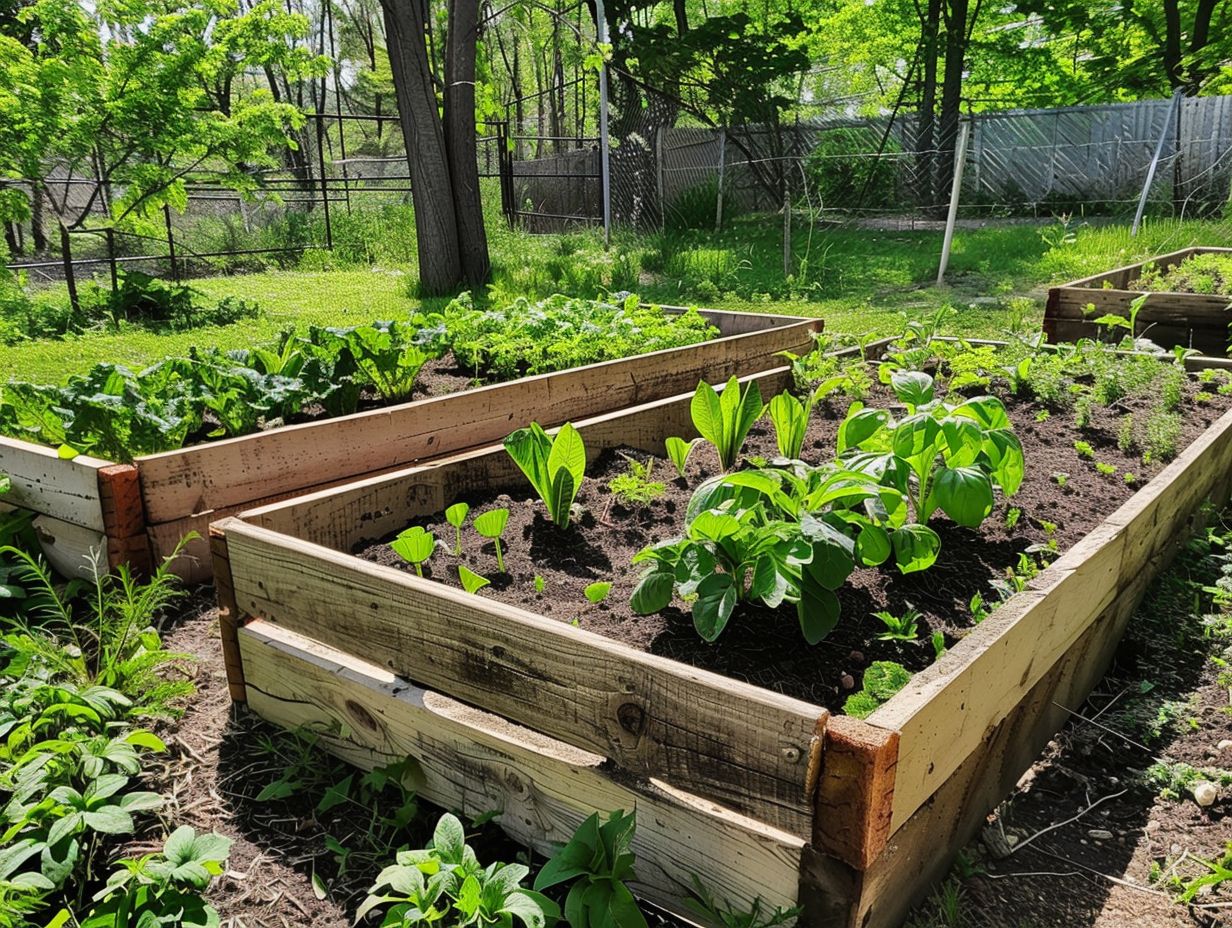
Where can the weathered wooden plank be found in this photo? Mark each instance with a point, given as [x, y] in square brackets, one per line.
[72, 550]
[228, 615]
[921, 852]
[119, 490]
[238, 471]
[45, 483]
[856, 790]
[367, 509]
[945, 712]
[735, 743]
[476, 762]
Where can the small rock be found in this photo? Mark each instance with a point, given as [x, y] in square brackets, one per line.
[848, 682]
[1099, 834]
[1205, 794]
[1224, 745]
[1152, 827]
[858, 657]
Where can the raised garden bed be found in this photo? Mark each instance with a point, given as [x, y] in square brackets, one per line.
[140, 511]
[758, 793]
[1197, 320]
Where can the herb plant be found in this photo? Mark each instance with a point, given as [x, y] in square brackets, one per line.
[414, 545]
[634, 487]
[554, 466]
[678, 451]
[456, 515]
[903, 627]
[724, 420]
[790, 418]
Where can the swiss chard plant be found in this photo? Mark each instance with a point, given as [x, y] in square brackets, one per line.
[940, 455]
[554, 466]
[724, 419]
[597, 863]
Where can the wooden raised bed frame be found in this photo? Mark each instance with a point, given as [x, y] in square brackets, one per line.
[139, 512]
[1187, 320]
[758, 794]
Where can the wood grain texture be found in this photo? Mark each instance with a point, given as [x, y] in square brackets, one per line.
[732, 742]
[475, 762]
[368, 509]
[229, 617]
[119, 490]
[70, 549]
[946, 711]
[243, 471]
[45, 483]
[855, 793]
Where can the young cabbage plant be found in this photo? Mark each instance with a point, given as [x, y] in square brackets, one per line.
[455, 515]
[598, 862]
[724, 419]
[491, 524]
[940, 456]
[414, 545]
[678, 451]
[554, 466]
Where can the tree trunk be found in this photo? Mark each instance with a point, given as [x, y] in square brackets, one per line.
[460, 144]
[951, 92]
[926, 131]
[436, 226]
[38, 233]
[70, 277]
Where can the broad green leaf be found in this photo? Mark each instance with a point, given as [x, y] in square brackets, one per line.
[471, 581]
[678, 451]
[914, 388]
[414, 545]
[964, 494]
[915, 547]
[598, 592]
[449, 838]
[818, 609]
[715, 603]
[861, 426]
[873, 545]
[653, 593]
[790, 421]
[491, 524]
[456, 514]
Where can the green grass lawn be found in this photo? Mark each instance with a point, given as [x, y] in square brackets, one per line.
[858, 281]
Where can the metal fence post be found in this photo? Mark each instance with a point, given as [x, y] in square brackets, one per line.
[175, 268]
[960, 159]
[111, 260]
[718, 203]
[1150, 171]
[329, 231]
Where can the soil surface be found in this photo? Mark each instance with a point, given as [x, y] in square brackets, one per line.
[763, 646]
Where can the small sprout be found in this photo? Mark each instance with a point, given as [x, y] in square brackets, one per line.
[1130, 479]
[455, 515]
[938, 641]
[1050, 528]
[979, 611]
[898, 628]
[1203, 396]
[678, 451]
[1043, 415]
[414, 545]
[471, 581]
[635, 488]
[1125, 434]
[1084, 449]
[1108, 470]
[491, 524]
[540, 583]
[1061, 478]
[598, 592]
[1012, 517]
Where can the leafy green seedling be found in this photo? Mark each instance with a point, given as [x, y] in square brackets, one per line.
[414, 545]
[491, 524]
[979, 611]
[724, 420]
[898, 628]
[455, 515]
[790, 419]
[554, 466]
[598, 861]
[540, 583]
[1061, 478]
[598, 592]
[1084, 449]
[471, 581]
[882, 680]
[938, 641]
[678, 451]
[1108, 470]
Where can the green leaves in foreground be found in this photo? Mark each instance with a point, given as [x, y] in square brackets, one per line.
[445, 882]
[414, 545]
[554, 466]
[724, 419]
[598, 861]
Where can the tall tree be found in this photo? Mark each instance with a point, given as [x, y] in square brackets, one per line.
[451, 240]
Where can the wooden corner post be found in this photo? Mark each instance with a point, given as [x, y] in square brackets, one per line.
[229, 620]
[119, 491]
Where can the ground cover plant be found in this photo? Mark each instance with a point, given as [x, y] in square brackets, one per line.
[900, 522]
[1209, 274]
[118, 413]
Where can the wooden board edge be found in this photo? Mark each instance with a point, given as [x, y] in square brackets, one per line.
[467, 759]
[854, 800]
[119, 490]
[229, 620]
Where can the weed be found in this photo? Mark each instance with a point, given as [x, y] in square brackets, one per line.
[634, 487]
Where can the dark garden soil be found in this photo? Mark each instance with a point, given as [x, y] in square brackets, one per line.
[764, 646]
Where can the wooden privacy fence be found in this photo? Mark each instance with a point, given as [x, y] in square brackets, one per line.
[139, 512]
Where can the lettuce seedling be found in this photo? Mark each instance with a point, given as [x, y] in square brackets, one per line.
[724, 420]
[455, 515]
[414, 545]
[491, 524]
[790, 418]
[554, 466]
[598, 592]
